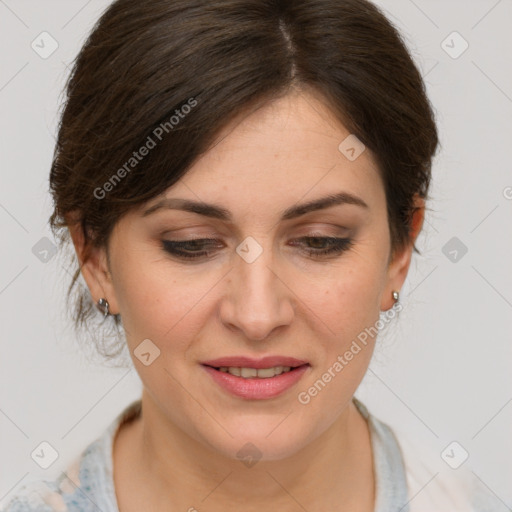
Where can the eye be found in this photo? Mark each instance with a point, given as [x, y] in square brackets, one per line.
[326, 245]
[189, 249]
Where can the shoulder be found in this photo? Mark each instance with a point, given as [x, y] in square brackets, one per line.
[432, 475]
[47, 495]
[87, 483]
[440, 478]
[80, 488]
[30, 499]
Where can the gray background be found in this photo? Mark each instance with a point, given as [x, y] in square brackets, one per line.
[440, 373]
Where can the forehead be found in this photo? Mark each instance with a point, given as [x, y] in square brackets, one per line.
[292, 143]
[292, 150]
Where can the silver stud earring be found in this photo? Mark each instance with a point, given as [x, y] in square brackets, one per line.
[103, 306]
[396, 296]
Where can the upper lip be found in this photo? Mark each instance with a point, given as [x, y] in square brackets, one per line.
[249, 362]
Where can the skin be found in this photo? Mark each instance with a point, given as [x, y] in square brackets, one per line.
[182, 451]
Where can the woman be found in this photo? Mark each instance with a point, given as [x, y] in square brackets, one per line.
[243, 182]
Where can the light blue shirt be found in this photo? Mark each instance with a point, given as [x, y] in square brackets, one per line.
[92, 487]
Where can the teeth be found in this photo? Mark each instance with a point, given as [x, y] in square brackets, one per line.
[248, 373]
[265, 373]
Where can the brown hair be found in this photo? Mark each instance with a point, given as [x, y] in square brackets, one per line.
[182, 69]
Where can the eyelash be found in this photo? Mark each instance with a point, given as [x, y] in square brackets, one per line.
[337, 246]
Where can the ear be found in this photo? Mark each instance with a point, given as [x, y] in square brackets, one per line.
[401, 260]
[93, 266]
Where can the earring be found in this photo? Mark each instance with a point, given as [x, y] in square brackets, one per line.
[396, 295]
[103, 306]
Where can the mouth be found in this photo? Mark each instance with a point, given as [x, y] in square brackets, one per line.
[256, 379]
[255, 373]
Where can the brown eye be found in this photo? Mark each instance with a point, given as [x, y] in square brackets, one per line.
[320, 246]
[189, 248]
[202, 247]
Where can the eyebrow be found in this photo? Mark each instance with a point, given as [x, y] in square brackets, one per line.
[218, 212]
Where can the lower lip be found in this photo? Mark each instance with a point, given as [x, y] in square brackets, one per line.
[256, 388]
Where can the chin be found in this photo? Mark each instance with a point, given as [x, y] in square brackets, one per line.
[263, 439]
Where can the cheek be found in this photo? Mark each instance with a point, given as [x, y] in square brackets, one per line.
[346, 303]
[156, 301]
[349, 307]
[346, 299]
[163, 302]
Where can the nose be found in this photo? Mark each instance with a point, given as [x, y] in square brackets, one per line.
[257, 298]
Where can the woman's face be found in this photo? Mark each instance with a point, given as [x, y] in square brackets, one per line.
[264, 289]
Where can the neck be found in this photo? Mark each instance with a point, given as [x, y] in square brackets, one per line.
[334, 470]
